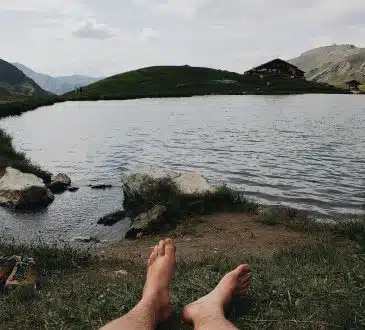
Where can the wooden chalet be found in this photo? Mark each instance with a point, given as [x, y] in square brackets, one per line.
[277, 67]
[353, 85]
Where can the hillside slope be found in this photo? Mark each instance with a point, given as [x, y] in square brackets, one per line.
[15, 85]
[56, 85]
[333, 64]
[169, 81]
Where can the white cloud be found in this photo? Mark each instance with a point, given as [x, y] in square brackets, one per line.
[93, 30]
[233, 34]
[186, 9]
[149, 33]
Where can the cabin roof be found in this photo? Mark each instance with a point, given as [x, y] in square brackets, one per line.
[353, 81]
[276, 60]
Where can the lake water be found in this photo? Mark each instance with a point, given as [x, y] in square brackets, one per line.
[307, 151]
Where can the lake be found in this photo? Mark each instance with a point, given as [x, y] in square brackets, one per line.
[306, 151]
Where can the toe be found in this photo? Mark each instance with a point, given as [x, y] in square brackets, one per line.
[242, 270]
[169, 247]
[153, 255]
[161, 248]
[246, 278]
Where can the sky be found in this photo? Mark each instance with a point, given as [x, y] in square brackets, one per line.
[106, 37]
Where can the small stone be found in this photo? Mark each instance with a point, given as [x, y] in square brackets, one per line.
[121, 273]
[102, 186]
[59, 183]
[111, 219]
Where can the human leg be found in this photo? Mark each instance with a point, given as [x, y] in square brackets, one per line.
[207, 313]
[154, 306]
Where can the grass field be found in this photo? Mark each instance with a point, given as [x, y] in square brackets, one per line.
[318, 283]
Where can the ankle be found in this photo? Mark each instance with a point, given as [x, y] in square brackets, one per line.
[203, 314]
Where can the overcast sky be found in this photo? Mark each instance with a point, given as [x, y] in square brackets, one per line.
[105, 37]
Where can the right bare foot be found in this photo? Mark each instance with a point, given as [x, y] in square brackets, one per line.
[161, 270]
[212, 305]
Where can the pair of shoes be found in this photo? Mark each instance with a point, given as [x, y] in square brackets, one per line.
[19, 273]
[6, 268]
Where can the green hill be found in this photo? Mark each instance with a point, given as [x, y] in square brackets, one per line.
[15, 85]
[170, 81]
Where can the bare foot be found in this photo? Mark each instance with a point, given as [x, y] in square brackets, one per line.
[212, 305]
[161, 270]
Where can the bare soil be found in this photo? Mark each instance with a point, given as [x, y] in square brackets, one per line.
[224, 233]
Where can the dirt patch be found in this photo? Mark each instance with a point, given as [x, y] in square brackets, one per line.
[231, 234]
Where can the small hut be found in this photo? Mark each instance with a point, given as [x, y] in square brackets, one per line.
[353, 85]
[277, 67]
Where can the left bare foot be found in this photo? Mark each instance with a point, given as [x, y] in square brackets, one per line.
[161, 270]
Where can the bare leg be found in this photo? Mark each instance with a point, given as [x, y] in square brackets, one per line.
[207, 313]
[154, 306]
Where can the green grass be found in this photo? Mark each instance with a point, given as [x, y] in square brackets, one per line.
[15, 107]
[300, 220]
[10, 157]
[320, 285]
[176, 81]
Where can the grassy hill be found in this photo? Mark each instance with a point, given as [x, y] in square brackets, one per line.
[170, 81]
[333, 64]
[15, 85]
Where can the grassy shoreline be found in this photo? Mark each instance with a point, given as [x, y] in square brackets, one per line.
[318, 284]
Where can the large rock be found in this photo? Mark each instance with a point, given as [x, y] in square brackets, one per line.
[59, 183]
[188, 183]
[23, 191]
[147, 222]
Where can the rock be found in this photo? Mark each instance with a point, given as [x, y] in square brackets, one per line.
[188, 183]
[59, 183]
[102, 186]
[25, 191]
[73, 189]
[121, 273]
[86, 239]
[111, 219]
[147, 222]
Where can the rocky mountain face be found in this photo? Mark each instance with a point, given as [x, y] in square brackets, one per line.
[14, 84]
[333, 64]
[57, 85]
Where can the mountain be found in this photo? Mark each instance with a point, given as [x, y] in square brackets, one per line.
[14, 84]
[176, 81]
[57, 85]
[333, 64]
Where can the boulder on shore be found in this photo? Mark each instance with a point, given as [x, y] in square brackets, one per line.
[145, 223]
[187, 183]
[59, 183]
[25, 191]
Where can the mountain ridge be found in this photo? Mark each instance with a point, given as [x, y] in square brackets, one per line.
[57, 85]
[14, 84]
[334, 64]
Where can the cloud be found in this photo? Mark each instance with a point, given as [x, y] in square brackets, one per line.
[186, 9]
[233, 34]
[92, 30]
[149, 33]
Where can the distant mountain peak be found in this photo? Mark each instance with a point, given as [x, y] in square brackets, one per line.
[57, 85]
[333, 64]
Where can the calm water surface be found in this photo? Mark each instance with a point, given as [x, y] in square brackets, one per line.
[307, 151]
